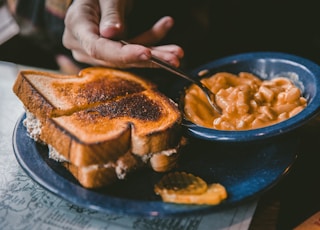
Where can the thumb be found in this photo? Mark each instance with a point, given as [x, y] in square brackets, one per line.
[112, 18]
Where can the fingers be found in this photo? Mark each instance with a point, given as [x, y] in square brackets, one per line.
[173, 49]
[112, 23]
[156, 33]
[110, 53]
[128, 56]
[85, 22]
[81, 24]
[169, 53]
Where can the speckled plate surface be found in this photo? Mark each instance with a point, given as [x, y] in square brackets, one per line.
[246, 170]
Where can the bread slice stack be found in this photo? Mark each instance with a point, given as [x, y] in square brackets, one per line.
[101, 124]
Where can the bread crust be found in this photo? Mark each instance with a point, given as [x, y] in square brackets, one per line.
[31, 98]
[92, 177]
[48, 94]
[80, 152]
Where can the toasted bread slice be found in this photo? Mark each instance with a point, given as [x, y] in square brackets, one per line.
[105, 132]
[99, 175]
[95, 118]
[95, 176]
[46, 94]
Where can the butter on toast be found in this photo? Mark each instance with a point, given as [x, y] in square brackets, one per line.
[103, 122]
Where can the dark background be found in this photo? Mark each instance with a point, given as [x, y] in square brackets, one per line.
[207, 30]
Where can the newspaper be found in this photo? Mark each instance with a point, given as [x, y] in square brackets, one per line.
[26, 205]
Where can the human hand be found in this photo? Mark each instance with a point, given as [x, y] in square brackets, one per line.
[92, 28]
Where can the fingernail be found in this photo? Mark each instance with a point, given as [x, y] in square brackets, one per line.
[168, 24]
[110, 30]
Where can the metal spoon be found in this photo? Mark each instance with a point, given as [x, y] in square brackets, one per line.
[165, 65]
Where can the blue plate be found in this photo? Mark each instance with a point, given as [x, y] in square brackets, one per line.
[245, 171]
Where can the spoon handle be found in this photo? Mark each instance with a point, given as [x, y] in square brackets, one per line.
[171, 68]
[165, 65]
[177, 71]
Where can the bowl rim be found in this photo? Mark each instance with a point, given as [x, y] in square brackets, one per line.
[312, 109]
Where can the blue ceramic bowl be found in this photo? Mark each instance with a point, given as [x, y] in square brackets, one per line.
[265, 65]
